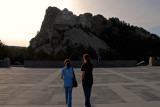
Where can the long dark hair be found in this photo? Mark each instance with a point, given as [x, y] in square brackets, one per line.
[87, 57]
[68, 63]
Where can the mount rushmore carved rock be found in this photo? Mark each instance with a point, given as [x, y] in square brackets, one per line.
[62, 32]
[62, 28]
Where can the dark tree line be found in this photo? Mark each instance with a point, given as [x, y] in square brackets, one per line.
[16, 54]
[129, 42]
[72, 52]
[3, 51]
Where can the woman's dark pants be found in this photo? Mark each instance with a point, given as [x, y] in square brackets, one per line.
[87, 88]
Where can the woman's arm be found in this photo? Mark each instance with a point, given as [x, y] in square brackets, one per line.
[83, 74]
[61, 76]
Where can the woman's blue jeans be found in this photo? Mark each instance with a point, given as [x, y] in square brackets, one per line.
[87, 88]
[68, 95]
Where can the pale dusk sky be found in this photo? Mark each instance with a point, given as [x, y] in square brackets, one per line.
[21, 19]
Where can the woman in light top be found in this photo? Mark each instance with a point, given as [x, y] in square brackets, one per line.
[67, 76]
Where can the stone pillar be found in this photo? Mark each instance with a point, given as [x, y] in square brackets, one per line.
[150, 61]
[7, 60]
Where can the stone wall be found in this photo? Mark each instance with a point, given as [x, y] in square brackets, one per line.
[5, 63]
[77, 64]
[117, 63]
[49, 64]
[156, 63]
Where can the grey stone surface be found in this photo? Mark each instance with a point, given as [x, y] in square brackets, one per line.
[113, 87]
[148, 77]
[144, 92]
[109, 97]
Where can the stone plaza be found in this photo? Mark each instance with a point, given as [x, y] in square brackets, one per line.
[113, 87]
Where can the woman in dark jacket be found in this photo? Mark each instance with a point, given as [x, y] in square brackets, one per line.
[87, 78]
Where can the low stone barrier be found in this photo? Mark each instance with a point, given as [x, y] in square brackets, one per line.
[49, 64]
[5, 63]
[156, 63]
[60, 64]
[117, 63]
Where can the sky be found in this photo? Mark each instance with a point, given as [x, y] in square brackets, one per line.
[21, 19]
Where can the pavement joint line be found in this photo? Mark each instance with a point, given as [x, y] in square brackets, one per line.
[119, 84]
[153, 86]
[51, 77]
[131, 97]
[125, 76]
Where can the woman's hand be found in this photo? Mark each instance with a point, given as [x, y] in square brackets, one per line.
[83, 74]
[61, 76]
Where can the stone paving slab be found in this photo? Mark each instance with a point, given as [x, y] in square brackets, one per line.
[113, 87]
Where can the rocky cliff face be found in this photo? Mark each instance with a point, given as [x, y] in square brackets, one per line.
[65, 35]
[62, 28]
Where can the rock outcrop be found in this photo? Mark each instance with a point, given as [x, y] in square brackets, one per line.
[65, 35]
[60, 27]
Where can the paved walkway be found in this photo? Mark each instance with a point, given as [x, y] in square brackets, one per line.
[113, 87]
